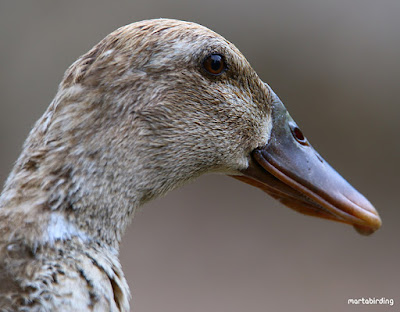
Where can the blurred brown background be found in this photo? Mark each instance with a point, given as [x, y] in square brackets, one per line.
[218, 244]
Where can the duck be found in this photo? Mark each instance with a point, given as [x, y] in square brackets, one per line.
[151, 107]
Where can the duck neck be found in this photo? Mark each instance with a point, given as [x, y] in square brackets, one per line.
[59, 188]
[93, 199]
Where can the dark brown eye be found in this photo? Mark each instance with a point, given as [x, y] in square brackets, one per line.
[214, 64]
[298, 135]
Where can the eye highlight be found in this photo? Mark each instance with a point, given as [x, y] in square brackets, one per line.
[214, 64]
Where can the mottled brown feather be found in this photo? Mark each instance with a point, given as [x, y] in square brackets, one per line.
[133, 118]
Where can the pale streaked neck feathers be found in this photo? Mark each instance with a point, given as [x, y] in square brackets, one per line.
[132, 119]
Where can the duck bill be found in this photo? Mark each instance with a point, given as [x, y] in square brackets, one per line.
[290, 170]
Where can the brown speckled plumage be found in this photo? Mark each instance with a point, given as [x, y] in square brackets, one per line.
[133, 118]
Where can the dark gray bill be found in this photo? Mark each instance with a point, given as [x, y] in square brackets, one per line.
[289, 169]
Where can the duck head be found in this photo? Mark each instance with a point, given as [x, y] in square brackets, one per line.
[154, 105]
[207, 110]
[190, 103]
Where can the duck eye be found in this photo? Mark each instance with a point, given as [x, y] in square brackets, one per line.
[298, 135]
[214, 64]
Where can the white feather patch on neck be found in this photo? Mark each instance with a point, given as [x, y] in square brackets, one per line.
[61, 229]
